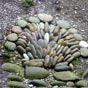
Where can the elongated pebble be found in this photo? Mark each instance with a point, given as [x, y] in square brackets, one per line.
[74, 46]
[55, 46]
[60, 50]
[60, 59]
[54, 61]
[68, 51]
[74, 50]
[72, 43]
[65, 34]
[68, 56]
[46, 27]
[76, 54]
[46, 62]
[65, 49]
[70, 59]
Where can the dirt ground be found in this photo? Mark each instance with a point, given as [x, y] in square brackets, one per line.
[75, 11]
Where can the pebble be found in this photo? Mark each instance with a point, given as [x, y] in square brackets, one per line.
[16, 84]
[51, 27]
[34, 19]
[36, 73]
[41, 25]
[22, 23]
[16, 29]
[12, 37]
[45, 17]
[78, 37]
[10, 45]
[84, 52]
[65, 76]
[83, 44]
[73, 30]
[46, 37]
[25, 56]
[63, 24]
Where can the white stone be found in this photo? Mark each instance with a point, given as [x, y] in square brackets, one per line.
[41, 25]
[46, 37]
[25, 56]
[83, 44]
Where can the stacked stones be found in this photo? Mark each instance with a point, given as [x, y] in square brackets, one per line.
[44, 42]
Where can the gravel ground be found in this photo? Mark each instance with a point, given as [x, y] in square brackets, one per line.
[75, 11]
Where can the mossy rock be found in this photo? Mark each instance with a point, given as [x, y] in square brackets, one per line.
[15, 78]
[81, 83]
[15, 84]
[38, 83]
[59, 83]
[36, 73]
[11, 67]
[65, 76]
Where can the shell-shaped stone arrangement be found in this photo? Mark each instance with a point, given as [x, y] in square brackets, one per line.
[43, 42]
[42, 37]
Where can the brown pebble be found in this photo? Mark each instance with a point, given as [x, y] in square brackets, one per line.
[60, 58]
[51, 52]
[70, 36]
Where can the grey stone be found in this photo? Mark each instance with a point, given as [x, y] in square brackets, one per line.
[10, 45]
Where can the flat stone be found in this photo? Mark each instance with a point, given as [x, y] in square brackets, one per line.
[16, 84]
[10, 45]
[11, 67]
[36, 73]
[81, 83]
[65, 76]
[72, 30]
[16, 29]
[78, 37]
[45, 17]
[12, 37]
[63, 24]
[21, 23]
[34, 19]
[83, 44]
[38, 83]
[15, 78]
[42, 43]
[84, 52]
[33, 63]
[59, 83]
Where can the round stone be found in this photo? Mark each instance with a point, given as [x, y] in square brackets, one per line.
[12, 37]
[63, 24]
[21, 23]
[84, 52]
[72, 30]
[42, 43]
[78, 37]
[83, 44]
[16, 29]
[45, 17]
[34, 19]
[10, 45]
